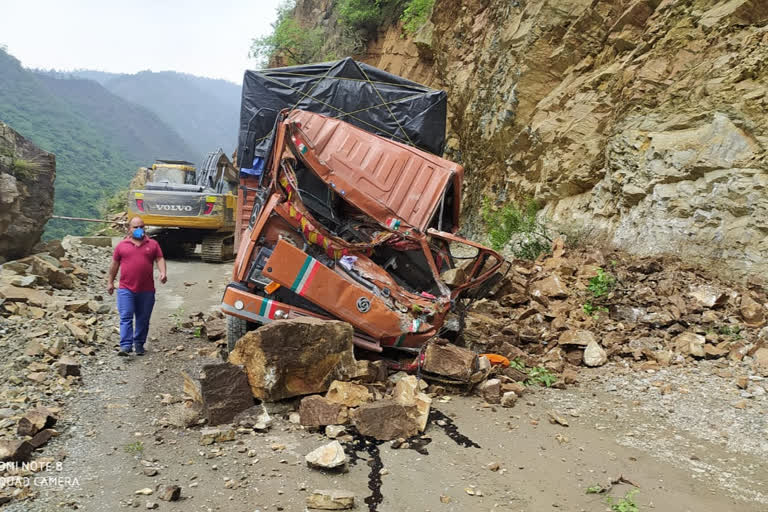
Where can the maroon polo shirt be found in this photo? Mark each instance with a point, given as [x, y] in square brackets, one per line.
[136, 264]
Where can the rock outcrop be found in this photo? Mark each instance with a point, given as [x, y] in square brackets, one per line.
[26, 193]
[642, 121]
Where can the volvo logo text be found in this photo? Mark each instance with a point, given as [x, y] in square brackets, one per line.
[174, 207]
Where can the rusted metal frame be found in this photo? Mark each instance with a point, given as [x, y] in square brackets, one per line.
[239, 272]
[482, 250]
[277, 150]
[445, 292]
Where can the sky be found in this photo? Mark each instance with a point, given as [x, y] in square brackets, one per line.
[201, 37]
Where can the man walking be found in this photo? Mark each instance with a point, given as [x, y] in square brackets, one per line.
[135, 256]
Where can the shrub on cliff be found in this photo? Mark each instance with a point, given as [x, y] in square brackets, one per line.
[416, 14]
[517, 226]
[295, 43]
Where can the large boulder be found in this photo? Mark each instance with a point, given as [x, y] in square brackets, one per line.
[295, 357]
[224, 391]
[26, 193]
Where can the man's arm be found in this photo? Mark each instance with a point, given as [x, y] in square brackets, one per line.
[111, 276]
[163, 271]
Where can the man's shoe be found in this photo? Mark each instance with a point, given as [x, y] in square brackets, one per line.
[140, 351]
[122, 353]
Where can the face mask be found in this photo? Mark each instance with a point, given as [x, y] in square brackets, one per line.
[138, 233]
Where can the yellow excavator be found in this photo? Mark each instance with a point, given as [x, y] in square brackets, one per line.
[185, 206]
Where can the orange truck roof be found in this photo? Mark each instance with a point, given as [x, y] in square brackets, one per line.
[386, 179]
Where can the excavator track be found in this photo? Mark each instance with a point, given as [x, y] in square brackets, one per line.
[218, 248]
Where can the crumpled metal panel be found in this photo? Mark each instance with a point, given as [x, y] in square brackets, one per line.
[387, 180]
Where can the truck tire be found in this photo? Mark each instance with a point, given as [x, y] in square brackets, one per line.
[236, 329]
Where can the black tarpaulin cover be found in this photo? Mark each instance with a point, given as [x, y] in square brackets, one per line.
[362, 95]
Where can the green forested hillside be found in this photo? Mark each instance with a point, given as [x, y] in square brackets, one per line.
[132, 128]
[204, 111]
[97, 148]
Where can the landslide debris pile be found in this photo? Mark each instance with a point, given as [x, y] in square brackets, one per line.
[545, 321]
[53, 319]
[586, 307]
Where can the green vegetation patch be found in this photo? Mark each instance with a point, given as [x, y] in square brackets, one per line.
[297, 44]
[416, 14]
[602, 284]
[517, 226]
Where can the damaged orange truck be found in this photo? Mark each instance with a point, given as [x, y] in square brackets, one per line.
[350, 225]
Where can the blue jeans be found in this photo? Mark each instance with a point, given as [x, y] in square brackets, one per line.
[130, 305]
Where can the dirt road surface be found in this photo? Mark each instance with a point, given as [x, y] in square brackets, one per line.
[686, 450]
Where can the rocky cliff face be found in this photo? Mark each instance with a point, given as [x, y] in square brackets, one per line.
[26, 193]
[643, 120]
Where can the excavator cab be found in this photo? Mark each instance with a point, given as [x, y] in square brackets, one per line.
[186, 206]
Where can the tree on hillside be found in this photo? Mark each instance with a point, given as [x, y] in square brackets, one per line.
[289, 40]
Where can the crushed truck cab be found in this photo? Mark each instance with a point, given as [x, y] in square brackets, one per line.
[349, 225]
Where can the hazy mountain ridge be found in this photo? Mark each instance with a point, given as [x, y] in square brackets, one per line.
[204, 111]
[99, 139]
[133, 128]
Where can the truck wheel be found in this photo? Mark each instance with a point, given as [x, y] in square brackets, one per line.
[236, 329]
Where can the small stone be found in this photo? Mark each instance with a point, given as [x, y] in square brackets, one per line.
[150, 472]
[216, 435]
[578, 337]
[334, 431]
[386, 420]
[317, 411]
[557, 419]
[15, 451]
[594, 355]
[329, 456]
[169, 493]
[690, 343]
[42, 437]
[66, 366]
[449, 361]
[347, 393]
[224, 391]
[509, 399]
[490, 390]
[145, 491]
[34, 421]
[331, 500]
[761, 360]
[752, 312]
[151, 505]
